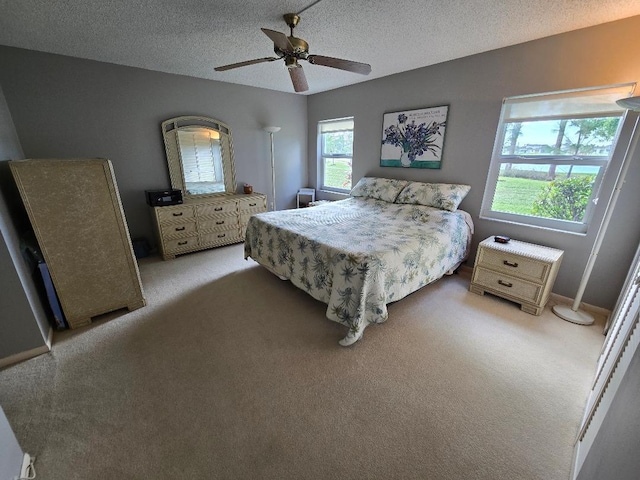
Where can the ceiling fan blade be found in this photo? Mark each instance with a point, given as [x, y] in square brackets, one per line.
[279, 39]
[244, 64]
[348, 65]
[298, 79]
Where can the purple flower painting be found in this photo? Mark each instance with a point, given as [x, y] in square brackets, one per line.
[414, 138]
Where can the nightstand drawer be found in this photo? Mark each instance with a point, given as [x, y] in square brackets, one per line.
[517, 265]
[513, 287]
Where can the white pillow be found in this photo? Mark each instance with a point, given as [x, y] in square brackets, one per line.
[386, 189]
[445, 196]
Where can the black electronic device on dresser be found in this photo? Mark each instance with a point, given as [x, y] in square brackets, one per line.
[160, 198]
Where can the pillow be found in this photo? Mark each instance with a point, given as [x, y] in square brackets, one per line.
[445, 196]
[386, 189]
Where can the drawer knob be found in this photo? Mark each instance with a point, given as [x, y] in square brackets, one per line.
[505, 284]
[177, 214]
[183, 243]
[220, 223]
[222, 235]
[217, 209]
[179, 229]
[511, 264]
[252, 204]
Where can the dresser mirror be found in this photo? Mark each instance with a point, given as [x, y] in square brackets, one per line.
[200, 156]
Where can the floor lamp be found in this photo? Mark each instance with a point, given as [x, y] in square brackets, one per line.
[271, 131]
[573, 314]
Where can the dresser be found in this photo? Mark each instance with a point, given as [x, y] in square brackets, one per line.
[76, 214]
[517, 271]
[207, 222]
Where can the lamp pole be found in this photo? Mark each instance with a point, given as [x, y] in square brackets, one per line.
[271, 131]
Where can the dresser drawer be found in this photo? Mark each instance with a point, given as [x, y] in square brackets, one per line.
[251, 204]
[180, 244]
[221, 237]
[217, 208]
[508, 285]
[177, 213]
[223, 222]
[517, 265]
[178, 230]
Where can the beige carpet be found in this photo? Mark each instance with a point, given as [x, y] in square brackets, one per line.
[231, 373]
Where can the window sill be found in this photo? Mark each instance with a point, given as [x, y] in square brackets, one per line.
[537, 227]
[333, 192]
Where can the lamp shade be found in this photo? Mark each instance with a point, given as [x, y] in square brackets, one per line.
[271, 129]
[630, 103]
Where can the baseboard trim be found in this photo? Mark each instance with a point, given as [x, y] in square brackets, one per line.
[22, 356]
[585, 306]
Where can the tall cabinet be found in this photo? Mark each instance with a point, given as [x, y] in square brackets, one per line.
[76, 214]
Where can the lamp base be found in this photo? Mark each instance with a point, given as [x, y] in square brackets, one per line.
[573, 316]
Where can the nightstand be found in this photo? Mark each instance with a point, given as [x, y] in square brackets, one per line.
[305, 196]
[518, 271]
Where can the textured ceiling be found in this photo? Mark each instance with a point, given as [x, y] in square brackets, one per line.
[191, 37]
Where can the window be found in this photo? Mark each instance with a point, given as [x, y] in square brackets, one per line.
[550, 156]
[336, 154]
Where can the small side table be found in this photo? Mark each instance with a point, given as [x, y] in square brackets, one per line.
[517, 271]
[305, 196]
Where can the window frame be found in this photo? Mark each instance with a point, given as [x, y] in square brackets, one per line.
[498, 159]
[322, 156]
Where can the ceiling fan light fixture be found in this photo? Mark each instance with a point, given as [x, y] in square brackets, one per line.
[292, 62]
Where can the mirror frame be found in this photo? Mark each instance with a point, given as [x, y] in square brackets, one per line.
[174, 158]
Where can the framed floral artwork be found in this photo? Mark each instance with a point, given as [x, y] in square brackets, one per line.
[413, 138]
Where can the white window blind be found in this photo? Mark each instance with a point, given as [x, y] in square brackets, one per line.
[599, 102]
[336, 125]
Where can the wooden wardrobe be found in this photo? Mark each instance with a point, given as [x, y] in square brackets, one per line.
[76, 214]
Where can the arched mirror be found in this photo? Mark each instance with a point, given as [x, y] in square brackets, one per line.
[200, 156]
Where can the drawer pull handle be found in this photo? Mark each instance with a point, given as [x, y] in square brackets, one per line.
[179, 229]
[183, 243]
[510, 264]
[505, 284]
[220, 223]
[217, 209]
[177, 214]
[222, 235]
[253, 204]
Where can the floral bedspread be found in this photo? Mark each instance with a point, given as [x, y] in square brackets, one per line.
[359, 254]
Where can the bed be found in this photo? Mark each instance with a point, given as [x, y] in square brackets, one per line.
[387, 240]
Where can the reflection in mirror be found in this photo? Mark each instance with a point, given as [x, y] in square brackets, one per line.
[201, 160]
[200, 156]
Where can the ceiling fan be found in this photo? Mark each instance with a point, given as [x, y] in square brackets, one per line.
[293, 49]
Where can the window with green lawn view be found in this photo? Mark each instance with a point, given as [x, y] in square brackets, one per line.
[336, 154]
[550, 156]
